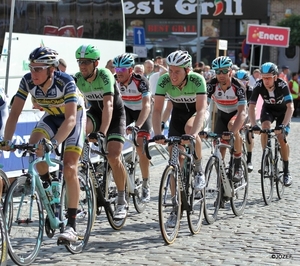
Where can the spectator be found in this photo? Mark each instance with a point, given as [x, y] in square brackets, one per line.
[239, 60]
[284, 73]
[62, 65]
[148, 68]
[110, 66]
[139, 69]
[154, 78]
[294, 89]
[158, 60]
[256, 75]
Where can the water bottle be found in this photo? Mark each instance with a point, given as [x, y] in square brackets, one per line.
[56, 189]
[48, 191]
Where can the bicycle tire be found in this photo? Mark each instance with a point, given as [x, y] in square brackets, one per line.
[279, 181]
[137, 196]
[267, 179]
[212, 190]
[168, 205]
[5, 184]
[239, 200]
[23, 250]
[196, 202]
[85, 213]
[111, 201]
[3, 235]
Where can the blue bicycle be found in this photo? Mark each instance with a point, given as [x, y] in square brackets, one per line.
[24, 207]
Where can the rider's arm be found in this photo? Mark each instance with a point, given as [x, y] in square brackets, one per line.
[288, 114]
[68, 124]
[106, 113]
[201, 104]
[252, 114]
[157, 112]
[144, 113]
[167, 112]
[13, 117]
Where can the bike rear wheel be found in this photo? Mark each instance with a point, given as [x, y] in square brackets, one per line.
[267, 180]
[25, 232]
[3, 240]
[239, 200]
[5, 185]
[212, 190]
[196, 202]
[169, 205]
[85, 213]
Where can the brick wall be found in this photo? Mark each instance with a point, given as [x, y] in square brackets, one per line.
[277, 13]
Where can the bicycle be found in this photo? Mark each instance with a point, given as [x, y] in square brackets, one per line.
[103, 182]
[176, 192]
[269, 171]
[219, 185]
[24, 207]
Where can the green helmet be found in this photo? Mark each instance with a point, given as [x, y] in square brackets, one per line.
[88, 52]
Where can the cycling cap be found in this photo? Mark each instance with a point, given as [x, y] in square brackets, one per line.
[88, 52]
[44, 55]
[124, 60]
[242, 74]
[269, 68]
[179, 58]
[221, 62]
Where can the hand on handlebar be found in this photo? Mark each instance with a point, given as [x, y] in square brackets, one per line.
[279, 129]
[256, 129]
[160, 139]
[6, 145]
[186, 139]
[44, 146]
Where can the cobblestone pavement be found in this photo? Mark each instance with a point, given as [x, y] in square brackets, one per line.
[264, 235]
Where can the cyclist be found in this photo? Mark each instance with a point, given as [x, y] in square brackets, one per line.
[64, 120]
[243, 76]
[187, 92]
[278, 105]
[136, 96]
[229, 94]
[105, 115]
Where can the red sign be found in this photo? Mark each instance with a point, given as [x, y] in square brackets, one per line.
[268, 35]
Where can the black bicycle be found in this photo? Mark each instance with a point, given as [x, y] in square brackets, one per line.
[177, 193]
[270, 171]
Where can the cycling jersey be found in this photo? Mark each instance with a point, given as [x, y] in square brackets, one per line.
[3, 111]
[184, 99]
[229, 100]
[103, 84]
[274, 101]
[62, 91]
[134, 92]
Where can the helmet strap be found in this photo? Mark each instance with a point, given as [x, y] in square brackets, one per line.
[48, 77]
[183, 81]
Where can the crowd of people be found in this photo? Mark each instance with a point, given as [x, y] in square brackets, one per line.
[124, 96]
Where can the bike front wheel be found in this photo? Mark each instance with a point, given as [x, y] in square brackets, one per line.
[212, 190]
[3, 240]
[169, 205]
[5, 185]
[24, 218]
[239, 200]
[196, 204]
[85, 213]
[267, 180]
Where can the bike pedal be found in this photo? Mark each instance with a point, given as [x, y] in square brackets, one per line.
[63, 242]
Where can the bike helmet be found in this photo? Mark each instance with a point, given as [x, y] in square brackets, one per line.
[88, 52]
[242, 74]
[221, 62]
[179, 58]
[124, 60]
[269, 68]
[44, 55]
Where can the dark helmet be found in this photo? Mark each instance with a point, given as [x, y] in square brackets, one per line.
[87, 52]
[242, 74]
[44, 55]
[221, 62]
[269, 68]
[124, 60]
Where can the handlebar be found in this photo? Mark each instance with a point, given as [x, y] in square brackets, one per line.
[100, 141]
[133, 135]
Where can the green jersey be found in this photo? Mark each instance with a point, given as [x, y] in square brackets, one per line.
[185, 98]
[103, 84]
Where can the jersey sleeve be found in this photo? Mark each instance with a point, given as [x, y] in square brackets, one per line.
[23, 87]
[71, 94]
[162, 82]
[199, 82]
[143, 85]
[108, 81]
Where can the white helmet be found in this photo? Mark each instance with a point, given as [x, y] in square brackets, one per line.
[179, 58]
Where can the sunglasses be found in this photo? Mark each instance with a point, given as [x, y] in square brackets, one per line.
[37, 69]
[121, 69]
[268, 78]
[223, 71]
[85, 62]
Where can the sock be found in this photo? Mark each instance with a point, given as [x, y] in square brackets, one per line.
[249, 156]
[121, 197]
[285, 167]
[237, 161]
[198, 166]
[72, 217]
[146, 182]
